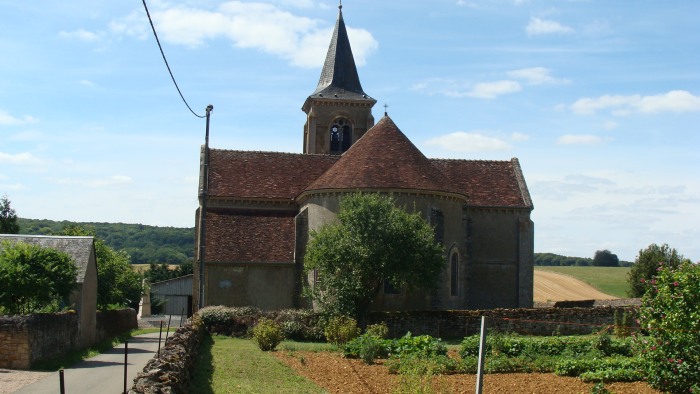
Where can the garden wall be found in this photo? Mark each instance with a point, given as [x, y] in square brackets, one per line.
[27, 339]
[171, 370]
[539, 321]
[114, 322]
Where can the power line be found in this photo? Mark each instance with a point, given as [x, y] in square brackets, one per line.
[166, 61]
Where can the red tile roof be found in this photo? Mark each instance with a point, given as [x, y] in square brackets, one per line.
[268, 175]
[236, 237]
[487, 183]
[384, 158]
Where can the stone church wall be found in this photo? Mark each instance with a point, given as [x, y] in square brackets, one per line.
[267, 286]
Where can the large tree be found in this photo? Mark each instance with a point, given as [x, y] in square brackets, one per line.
[646, 265]
[372, 241]
[8, 217]
[118, 284]
[605, 258]
[34, 279]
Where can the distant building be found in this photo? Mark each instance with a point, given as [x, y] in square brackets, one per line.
[84, 297]
[175, 294]
[262, 206]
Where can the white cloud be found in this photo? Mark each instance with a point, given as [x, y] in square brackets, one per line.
[610, 125]
[80, 34]
[85, 82]
[535, 76]
[19, 158]
[538, 26]
[300, 40]
[672, 101]
[580, 139]
[519, 137]
[9, 120]
[474, 141]
[491, 90]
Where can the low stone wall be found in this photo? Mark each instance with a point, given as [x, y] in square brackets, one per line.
[115, 322]
[171, 372]
[27, 339]
[536, 321]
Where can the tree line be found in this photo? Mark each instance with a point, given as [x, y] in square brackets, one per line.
[144, 244]
[602, 258]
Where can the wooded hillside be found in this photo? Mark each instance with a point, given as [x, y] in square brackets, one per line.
[145, 244]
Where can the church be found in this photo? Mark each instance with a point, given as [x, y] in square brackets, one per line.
[258, 209]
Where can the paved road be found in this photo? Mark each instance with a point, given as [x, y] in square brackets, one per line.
[103, 373]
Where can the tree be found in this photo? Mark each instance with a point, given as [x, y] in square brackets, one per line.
[118, 284]
[34, 279]
[8, 217]
[670, 314]
[645, 265]
[372, 241]
[604, 258]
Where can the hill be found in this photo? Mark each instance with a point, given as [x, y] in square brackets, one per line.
[145, 244]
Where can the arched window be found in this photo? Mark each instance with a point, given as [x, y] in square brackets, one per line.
[454, 274]
[341, 135]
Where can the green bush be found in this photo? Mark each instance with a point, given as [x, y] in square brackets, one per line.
[380, 330]
[299, 324]
[416, 364]
[670, 313]
[423, 345]
[267, 334]
[341, 329]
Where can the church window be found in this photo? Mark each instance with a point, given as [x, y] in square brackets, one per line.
[454, 274]
[341, 136]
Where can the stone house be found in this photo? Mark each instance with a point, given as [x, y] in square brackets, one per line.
[261, 207]
[84, 297]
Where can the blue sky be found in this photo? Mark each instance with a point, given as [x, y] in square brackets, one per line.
[599, 100]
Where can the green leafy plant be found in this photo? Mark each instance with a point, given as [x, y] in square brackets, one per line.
[341, 329]
[380, 330]
[267, 334]
[670, 314]
[34, 279]
[423, 345]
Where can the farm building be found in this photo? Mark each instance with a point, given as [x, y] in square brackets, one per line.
[176, 294]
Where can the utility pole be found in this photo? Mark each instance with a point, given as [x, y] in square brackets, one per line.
[203, 210]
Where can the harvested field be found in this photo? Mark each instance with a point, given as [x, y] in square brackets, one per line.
[551, 286]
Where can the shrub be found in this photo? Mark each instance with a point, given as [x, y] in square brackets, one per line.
[423, 345]
[341, 329]
[415, 364]
[380, 330]
[235, 321]
[670, 313]
[299, 324]
[267, 334]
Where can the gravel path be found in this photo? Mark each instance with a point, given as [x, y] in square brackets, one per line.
[12, 380]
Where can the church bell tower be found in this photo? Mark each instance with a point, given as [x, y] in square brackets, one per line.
[338, 112]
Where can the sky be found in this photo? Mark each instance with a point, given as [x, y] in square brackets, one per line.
[598, 99]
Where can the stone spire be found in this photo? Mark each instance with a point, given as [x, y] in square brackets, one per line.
[339, 75]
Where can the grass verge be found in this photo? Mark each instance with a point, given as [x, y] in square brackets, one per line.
[234, 365]
[609, 280]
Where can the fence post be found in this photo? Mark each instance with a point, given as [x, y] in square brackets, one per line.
[482, 353]
[62, 386]
[126, 353]
[159, 338]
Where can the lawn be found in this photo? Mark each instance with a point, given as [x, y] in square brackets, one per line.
[609, 280]
[233, 365]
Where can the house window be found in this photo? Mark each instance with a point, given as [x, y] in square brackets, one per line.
[389, 289]
[341, 136]
[454, 274]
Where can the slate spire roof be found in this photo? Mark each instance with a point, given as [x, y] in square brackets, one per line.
[339, 78]
[384, 158]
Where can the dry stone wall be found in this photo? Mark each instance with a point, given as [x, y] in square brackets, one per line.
[27, 339]
[539, 321]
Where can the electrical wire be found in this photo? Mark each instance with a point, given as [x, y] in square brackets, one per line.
[166, 61]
